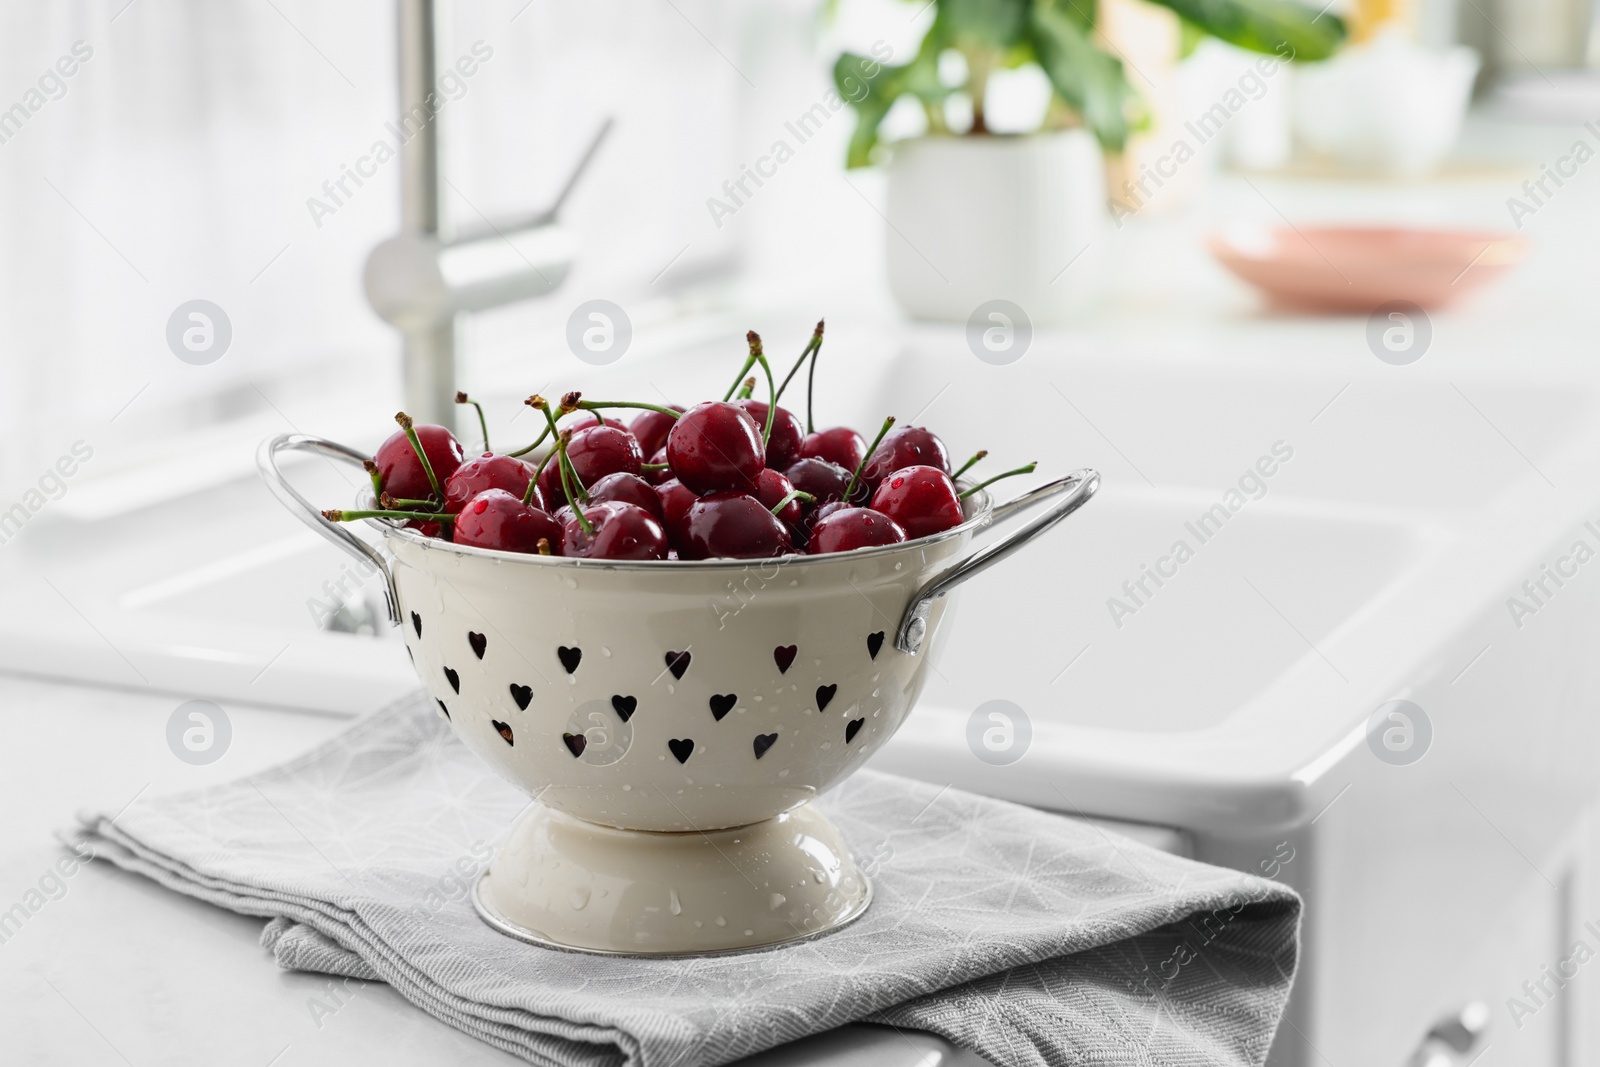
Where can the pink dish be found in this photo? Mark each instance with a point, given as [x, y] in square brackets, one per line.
[1358, 269]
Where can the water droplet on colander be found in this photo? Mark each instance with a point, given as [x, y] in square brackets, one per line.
[819, 876]
[604, 651]
[570, 583]
[673, 905]
[721, 921]
[698, 924]
[627, 787]
[749, 933]
[897, 566]
[777, 900]
[579, 898]
[671, 689]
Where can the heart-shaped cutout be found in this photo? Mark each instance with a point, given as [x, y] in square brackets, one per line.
[682, 749]
[678, 664]
[444, 709]
[416, 623]
[722, 703]
[522, 694]
[784, 655]
[852, 728]
[478, 642]
[874, 644]
[825, 696]
[576, 743]
[763, 742]
[624, 706]
[569, 657]
[453, 678]
[504, 730]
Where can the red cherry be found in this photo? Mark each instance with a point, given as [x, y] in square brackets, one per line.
[663, 469]
[651, 429]
[585, 420]
[921, 499]
[595, 453]
[488, 471]
[840, 445]
[401, 473]
[824, 510]
[496, 519]
[904, 446]
[715, 446]
[823, 480]
[675, 500]
[732, 525]
[772, 487]
[626, 489]
[428, 529]
[621, 531]
[783, 446]
[852, 528]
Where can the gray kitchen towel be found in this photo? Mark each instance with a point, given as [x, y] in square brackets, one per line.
[1026, 937]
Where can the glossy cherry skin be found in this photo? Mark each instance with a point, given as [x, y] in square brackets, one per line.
[715, 446]
[923, 500]
[583, 420]
[675, 500]
[626, 489]
[851, 528]
[732, 526]
[429, 529]
[823, 480]
[904, 446]
[840, 445]
[783, 446]
[488, 471]
[595, 453]
[496, 519]
[650, 429]
[772, 487]
[621, 531]
[401, 473]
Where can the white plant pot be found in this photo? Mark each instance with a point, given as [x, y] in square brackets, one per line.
[975, 219]
[672, 719]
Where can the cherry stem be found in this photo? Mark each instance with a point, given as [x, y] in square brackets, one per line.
[811, 379]
[884, 429]
[1008, 474]
[409, 426]
[483, 424]
[577, 496]
[772, 387]
[594, 405]
[969, 464]
[544, 547]
[794, 494]
[747, 388]
[810, 350]
[739, 379]
[655, 466]
[377, 479]
[536, 443]
[390, 503]
[420, 516]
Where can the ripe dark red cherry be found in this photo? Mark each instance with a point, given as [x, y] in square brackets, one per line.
[715, 446]
[400, 470]
[675, 500]
[626, 489]
[650, 429]
[488, 471]
[595, 453]
[823, 480]
[771, 487]
[429, 529]
[732, 526]
[923, 500]
[621, 531]
[905, 446]
[663, 469]
[496, 519]
[783, 446]
[851, 528]
[840, 445]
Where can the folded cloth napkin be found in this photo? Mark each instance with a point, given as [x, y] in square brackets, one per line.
[1025, 937]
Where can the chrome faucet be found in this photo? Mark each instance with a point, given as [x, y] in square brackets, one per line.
[422, 278]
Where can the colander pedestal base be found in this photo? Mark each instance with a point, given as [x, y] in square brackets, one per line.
[567, 883]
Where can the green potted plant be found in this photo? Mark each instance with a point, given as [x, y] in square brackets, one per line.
[975, 217]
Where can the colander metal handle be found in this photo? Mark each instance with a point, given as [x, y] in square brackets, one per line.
[1069, 493]
[302, 509]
